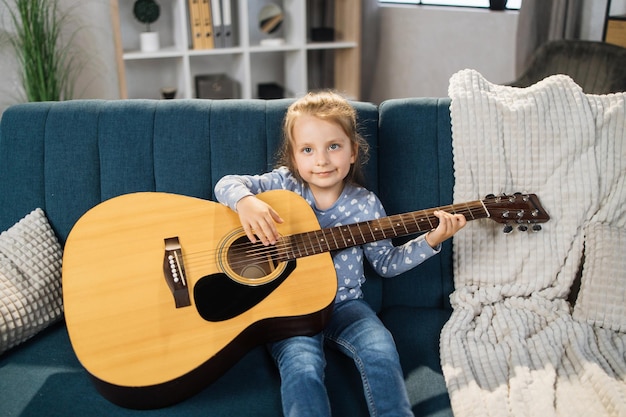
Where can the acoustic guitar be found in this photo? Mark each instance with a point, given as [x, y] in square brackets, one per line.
[163, 293]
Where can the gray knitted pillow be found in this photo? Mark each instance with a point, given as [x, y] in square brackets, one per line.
[30, 279]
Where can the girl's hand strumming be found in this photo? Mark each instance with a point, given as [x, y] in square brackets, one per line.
[449, 224]
[258, 220]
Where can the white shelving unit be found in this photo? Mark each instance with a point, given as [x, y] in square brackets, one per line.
[176, 64]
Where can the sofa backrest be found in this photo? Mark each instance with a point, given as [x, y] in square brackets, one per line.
[415, 172]
[66, 157]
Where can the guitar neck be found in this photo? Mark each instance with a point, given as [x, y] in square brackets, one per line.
[341, 237]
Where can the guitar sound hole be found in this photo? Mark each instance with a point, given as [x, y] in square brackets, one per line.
[251, 260]
[221, 296]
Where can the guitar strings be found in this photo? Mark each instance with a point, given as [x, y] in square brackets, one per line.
[258, 252]
[404, 217]
[246, 253]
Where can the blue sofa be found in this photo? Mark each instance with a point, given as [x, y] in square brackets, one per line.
[67, 157]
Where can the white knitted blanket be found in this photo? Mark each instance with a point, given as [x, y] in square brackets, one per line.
[514, 346]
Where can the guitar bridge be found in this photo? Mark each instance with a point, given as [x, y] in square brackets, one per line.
[174, 271]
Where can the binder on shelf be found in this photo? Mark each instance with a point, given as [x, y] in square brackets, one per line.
[216, 10]
[195, 25]
[227, 24]
[616, 31]
[208, 37]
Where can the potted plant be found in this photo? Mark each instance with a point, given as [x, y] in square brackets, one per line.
[48, 60]
[147, 12]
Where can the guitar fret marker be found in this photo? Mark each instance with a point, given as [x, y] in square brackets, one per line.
[320, 240]
[351, 239]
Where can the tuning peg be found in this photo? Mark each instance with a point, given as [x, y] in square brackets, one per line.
[522, 228]
[507, 229]
[536, 227]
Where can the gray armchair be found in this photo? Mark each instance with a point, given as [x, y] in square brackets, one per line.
[598, 67]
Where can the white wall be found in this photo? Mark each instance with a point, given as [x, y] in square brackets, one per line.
[618, 7]
[92, 23]
[420, 47]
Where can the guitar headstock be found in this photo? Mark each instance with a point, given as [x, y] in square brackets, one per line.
[523, 210]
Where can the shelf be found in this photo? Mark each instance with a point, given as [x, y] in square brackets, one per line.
[260, 49]
[161, 53]
[331, 45]
[292, 65]
[215, 51]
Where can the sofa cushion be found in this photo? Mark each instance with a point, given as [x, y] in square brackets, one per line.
[602, 297]
[30, 279]
[43, 377]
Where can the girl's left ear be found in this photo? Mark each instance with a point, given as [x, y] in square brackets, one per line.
[355, 152]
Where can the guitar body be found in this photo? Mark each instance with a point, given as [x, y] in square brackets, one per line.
[146, 341]
[163, 293]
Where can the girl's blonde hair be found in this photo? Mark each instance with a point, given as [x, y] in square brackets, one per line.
[332, 107]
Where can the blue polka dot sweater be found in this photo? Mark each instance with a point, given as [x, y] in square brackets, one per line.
[356, 204]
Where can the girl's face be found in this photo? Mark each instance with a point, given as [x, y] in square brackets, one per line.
[322, 155]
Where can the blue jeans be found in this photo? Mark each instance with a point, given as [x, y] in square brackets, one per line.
[355, 330]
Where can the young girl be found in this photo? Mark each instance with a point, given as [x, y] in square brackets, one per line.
[321, 160]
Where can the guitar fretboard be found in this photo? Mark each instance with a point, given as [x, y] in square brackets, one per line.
[341, 237]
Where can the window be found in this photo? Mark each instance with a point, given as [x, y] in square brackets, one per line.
[511, 4]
